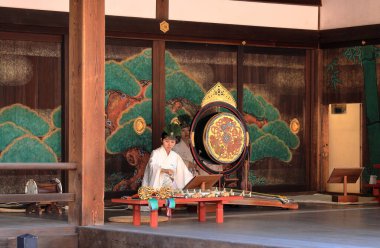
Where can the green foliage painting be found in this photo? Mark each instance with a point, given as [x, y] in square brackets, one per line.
[56, 117]
[333, 74]
[126, 137]
[26, 118]
[53, 140]
[143, 109]
[28, 135]
[128, 98]
[9, 132]
[180, 85]
[28, 149]
[121, 79]
[140, 65]
[270, 136]
[269, 146]
[282, 131]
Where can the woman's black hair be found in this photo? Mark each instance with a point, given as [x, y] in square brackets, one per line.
[165, 135]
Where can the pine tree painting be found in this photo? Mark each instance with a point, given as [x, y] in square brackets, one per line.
[129, 96]
[28, 135]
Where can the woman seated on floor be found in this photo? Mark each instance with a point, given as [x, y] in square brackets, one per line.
[166, 167]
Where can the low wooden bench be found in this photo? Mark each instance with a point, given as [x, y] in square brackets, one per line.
[218, 201]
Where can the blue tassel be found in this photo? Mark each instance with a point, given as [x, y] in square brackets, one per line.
[153, 204]
[170, 203]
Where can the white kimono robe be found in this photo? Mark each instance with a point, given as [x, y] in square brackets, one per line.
[184, 151]
[159, 159]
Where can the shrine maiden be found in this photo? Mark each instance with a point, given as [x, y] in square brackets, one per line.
[166, 167]
[183, 147]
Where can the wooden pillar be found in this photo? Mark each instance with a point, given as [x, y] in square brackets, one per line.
[242, 173]
[158, 99]
[240, 78]
[158, 77]
[86, 111]
[321, 128]
[311, 119]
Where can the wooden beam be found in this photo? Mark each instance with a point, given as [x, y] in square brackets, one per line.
[351, 36]
[211, 32]
[38, 166]
[51, 197]
[86, 110]
[51, 22]
[31, 37]
[296, 2]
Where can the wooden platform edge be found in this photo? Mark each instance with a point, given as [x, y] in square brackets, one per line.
[264, 203]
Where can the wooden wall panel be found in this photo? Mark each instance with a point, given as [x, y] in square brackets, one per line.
[43, 91]
[282, 78]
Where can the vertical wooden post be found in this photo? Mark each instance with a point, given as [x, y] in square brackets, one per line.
[244, 171]
[240, 78]
[219, 212]
[311, 170]
[203, 186]
[153, 218]
[86, 110]
[158, 77]
[136, 215]
[345, 186]
[201, 211]
[158, 87]
[319, 137]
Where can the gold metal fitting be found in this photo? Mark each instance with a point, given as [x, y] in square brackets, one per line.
[164, 26]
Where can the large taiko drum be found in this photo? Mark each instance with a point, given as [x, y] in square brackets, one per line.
[224, 138]
[219, 138]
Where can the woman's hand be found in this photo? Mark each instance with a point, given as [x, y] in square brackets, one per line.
[168, 171]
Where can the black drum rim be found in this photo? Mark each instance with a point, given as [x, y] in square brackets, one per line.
[235, 165]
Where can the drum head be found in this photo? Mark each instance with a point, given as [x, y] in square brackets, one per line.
[224, 137]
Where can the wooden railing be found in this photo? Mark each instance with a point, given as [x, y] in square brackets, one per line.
[46, 197]
[38, 166]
